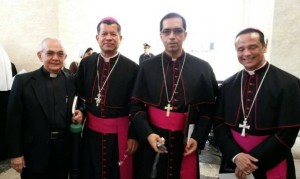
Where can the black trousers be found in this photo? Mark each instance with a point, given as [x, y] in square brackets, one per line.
[58, 163]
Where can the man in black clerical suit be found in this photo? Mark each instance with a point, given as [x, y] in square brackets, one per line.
[258, 118]
[39, 114]
[105, 82]
[168, 88]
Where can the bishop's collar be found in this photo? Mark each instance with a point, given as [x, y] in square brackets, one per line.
[107, 59]
[258, 70]
[168, 58]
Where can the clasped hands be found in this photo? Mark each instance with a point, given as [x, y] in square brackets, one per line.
[244, 165]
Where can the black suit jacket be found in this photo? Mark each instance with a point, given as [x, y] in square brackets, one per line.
[28, 125]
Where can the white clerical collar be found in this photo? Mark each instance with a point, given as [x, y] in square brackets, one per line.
[252, 72]
[53, 75]
[107, 59]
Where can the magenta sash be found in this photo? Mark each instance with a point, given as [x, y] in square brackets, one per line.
[117, 125]
[248, 142]
[176, 121]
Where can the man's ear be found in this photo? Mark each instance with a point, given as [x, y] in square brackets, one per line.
[39, 55]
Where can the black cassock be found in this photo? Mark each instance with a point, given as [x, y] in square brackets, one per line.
[275, 114]
[114, 103]
[197, 87]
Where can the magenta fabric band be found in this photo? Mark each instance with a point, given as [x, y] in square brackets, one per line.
[189, 167]
[248, 142]
[117, 125]
[176, 121]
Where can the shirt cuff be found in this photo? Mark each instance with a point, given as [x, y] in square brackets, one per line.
[233, 159]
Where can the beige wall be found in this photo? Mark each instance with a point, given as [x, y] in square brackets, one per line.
[286, 41]
[24, 23]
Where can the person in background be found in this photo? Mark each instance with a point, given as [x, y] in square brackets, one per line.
[39, 114]
[7, 72]
[105, 82]
[13, 69]
[146, 55]
[257, 118]
[173, 90]
[74, 65]
[66, 70]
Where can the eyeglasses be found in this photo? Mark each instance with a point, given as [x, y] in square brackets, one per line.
[51, 54]
[176, 31]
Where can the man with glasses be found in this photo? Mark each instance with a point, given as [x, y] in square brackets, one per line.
[173, 90]
[39, 114]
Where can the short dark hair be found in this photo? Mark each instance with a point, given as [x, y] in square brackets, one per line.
[109, 22]
[250, 30]
[88, 49]
[172, 15]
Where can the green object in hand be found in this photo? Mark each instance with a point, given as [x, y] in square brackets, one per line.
[76, 128]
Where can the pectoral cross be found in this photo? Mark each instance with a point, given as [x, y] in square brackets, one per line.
[244, 126]
[98, 99]
[168, 108]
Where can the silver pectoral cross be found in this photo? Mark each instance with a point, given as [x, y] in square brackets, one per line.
[244, 126]
[168, 108]
[98, 99]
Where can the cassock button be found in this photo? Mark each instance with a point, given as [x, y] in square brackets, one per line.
[249, 91]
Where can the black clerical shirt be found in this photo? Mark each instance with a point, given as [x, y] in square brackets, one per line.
[57, 98]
